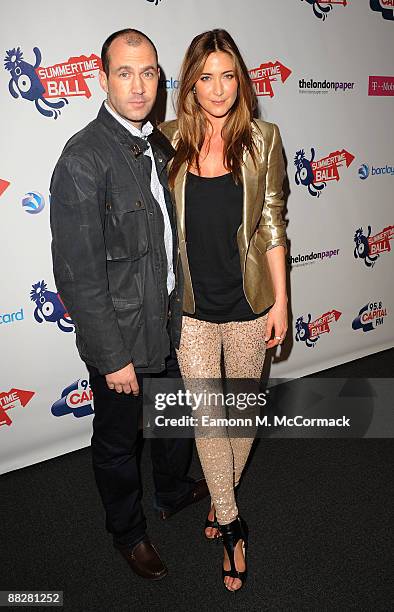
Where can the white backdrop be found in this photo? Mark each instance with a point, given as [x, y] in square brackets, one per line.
[326, 73]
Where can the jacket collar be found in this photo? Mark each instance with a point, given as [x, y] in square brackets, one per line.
[159, 143]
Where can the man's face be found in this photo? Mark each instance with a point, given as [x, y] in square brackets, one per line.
[131, 86]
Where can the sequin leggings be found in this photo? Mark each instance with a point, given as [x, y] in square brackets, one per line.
[199, 355]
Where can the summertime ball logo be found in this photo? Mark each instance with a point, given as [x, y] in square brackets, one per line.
[314, 174]
[321, 8]
[263, 77]
[386, 7]
[38, 84]
[369, 248]
[76, 399]
[33, 202]
[370, 316]
[50, 308]
[12, 399]
[309, 332]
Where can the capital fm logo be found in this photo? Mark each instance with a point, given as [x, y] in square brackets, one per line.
[76, 399]
[14, 398]
[370, 316]
[310, 331]
[386, 7]
[3, 186]
[40, 85]
[33, 202]
[315, 174]
[266, 74]
[50, 308]
[369, 248]
[321, 8]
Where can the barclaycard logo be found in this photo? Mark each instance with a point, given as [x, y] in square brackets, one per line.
[33, 202]
[363, 171]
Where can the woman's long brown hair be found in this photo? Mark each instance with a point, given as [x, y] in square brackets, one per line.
[192, 121]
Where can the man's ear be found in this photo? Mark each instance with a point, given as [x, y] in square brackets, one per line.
[158, 71]
[103, 81]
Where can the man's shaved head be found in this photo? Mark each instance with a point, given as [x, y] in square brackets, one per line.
[131, 37]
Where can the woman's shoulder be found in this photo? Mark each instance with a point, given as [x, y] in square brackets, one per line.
[169, 129]
[264, 129]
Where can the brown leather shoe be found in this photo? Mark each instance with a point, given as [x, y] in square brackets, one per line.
[144, 560]
[199, 491]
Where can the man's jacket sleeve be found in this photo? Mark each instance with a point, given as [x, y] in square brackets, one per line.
[80, 265]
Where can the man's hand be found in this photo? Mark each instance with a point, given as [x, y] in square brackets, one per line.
[124, 380]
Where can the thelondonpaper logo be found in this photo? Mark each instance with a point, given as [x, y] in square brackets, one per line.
[12, 399]
[50, 308]
[381, 85]
[370, 316]
[314, 174]
[77, 399]
[321, 8]
[386, 7]
[369, 248]
[38, 84]
[266, 74]
[310, 331]
[304, 259]
[3, 186]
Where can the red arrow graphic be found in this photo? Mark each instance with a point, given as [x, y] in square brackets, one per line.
[10, 400]
[285, 72]
[3, 186]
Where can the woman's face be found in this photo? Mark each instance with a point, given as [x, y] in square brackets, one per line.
[217, 87]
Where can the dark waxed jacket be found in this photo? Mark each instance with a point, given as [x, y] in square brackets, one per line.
[109, 259]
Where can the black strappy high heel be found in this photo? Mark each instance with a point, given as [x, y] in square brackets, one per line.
[231, 534]
[214, 525]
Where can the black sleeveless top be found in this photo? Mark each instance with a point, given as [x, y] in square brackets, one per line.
[213, 214]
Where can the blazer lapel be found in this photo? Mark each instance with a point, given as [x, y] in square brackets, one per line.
[179, 197]
[250, 179]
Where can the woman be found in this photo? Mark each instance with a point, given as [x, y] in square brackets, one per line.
[226, 178]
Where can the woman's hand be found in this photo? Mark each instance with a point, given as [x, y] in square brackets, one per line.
[277, 323]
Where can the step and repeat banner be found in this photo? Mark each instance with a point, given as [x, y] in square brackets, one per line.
[323, 72]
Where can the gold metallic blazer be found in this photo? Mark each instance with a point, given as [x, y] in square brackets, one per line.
[262, 227]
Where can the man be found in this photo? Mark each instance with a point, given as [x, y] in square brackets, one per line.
[115, 264]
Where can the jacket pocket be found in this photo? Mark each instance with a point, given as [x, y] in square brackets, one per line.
[130, 318]
[126, 231]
